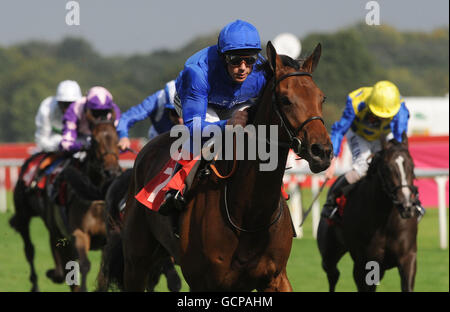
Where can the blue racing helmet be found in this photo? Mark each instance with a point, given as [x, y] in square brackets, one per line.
[239, 35]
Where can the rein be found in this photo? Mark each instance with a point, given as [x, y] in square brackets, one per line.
[292, 132]
[233, 170]
[258, 229]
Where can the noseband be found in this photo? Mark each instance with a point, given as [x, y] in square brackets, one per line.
[294, 142]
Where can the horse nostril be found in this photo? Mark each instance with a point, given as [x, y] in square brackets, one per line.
[317, 150]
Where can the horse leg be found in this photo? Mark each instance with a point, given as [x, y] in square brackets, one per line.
[82, 244]
[278, 284]
[136, 274]
[331, 251]
[23, 227]
[407, 270]
[21, 223]
[56, 274]
[329, 265]
[137, 252]
[360, 274]
[173, 280]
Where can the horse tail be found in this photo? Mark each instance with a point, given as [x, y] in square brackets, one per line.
[23, 211]
[112, 265]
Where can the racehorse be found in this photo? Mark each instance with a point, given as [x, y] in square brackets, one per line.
[235, 233]
[75, 225]
[115, 196]
[377, 225]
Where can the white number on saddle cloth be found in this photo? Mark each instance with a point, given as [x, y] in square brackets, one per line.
[151, 195]
[158, 188]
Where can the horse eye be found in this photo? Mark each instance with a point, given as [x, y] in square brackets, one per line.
[285, 101]
[324, 99]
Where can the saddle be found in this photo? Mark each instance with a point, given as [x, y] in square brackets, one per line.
[41, 167]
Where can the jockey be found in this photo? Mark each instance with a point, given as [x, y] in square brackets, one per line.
[158, 107]
[215, 83]
[49, 117]
[76, 130]
[370, 113]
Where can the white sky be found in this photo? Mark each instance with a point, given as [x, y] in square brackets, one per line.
[141, 26]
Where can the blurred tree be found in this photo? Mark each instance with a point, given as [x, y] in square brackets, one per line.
[352, 57]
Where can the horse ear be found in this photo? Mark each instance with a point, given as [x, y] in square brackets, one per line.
[405, 139]
[273, 57]
[311, 62]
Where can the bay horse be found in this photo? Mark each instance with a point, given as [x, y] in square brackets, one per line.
[235, 233]
[76, 225]
[377, 226]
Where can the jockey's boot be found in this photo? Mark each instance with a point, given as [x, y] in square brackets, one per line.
[173, 200]
[330, 208]
[175, 219]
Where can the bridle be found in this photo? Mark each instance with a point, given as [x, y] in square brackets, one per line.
[294, 142]
[390, 191]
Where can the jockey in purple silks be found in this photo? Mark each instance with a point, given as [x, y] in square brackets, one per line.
[76, 131]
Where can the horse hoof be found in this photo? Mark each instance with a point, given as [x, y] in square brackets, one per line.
[173, 281]
[35, 289]
[55, 278]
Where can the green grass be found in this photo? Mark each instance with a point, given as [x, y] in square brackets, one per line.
[304, 270]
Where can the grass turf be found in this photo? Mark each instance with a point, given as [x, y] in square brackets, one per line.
[304, 270]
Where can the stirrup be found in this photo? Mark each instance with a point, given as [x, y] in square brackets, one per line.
[179, 201]
[171, 203]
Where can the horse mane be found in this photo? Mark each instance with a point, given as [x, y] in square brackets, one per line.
[377, 158]
[268, 73]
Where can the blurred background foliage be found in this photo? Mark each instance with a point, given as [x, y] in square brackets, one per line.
[356, 56]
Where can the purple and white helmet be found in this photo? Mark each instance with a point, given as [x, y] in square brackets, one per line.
[99, 98]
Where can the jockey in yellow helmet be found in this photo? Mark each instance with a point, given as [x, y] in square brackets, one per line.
[370, 113]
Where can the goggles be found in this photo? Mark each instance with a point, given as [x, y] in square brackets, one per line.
[236, 60]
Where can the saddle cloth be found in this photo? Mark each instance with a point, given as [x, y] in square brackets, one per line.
[32, 169]
[41, 167]
[153, 192]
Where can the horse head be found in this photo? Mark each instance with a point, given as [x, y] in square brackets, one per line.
[298, 103]
[395, 168]
[104, 149]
